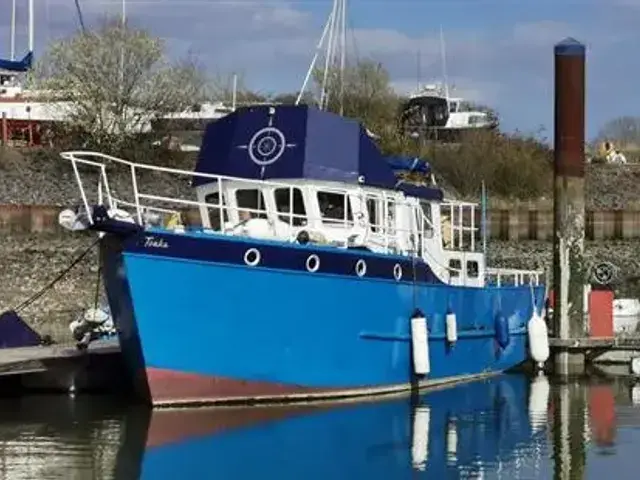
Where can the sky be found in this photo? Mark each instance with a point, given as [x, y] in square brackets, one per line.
[498, 52]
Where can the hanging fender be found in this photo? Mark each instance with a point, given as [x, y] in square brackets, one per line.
[451, 327]
[502, 330]
[420, 343]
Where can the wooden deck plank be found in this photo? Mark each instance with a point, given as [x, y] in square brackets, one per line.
[590, 343]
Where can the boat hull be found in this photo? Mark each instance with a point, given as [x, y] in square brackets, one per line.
[198, 325]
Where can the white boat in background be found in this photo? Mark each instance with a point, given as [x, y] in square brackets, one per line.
[431, 107]
[626, 315]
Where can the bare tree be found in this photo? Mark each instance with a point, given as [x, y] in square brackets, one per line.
[117, 80]
[367, 93]
[221, 89]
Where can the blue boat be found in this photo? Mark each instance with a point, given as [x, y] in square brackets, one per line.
[295, 266]
[475, 430]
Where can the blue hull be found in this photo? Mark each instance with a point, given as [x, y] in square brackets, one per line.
[199, 325]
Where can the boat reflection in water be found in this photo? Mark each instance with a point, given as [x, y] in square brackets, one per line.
[465, 431]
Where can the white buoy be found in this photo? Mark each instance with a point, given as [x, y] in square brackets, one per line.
[635, 365]
[420, 443]
[538, 339]
[539, 402]
[635, 394]
[420, 344]
[452, 327]
[120, 215]
[452, 442]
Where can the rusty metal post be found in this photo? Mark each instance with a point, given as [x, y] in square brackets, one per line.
[569, 213]
[5, 130]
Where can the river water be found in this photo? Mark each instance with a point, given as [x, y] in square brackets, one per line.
[509, 427]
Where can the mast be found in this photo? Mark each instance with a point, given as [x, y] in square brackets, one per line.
[31, 25]
[13, 30]
[444, 66]
[335, 37]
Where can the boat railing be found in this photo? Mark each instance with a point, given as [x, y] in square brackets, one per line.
[141, 202]
[513, 276]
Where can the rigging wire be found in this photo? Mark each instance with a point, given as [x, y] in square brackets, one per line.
[59, 277]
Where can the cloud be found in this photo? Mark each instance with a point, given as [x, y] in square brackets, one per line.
[507, 65]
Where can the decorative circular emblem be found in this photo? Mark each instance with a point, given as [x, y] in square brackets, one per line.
[604, 272]
[267, 146]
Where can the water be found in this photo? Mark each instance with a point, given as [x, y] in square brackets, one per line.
[505, 428]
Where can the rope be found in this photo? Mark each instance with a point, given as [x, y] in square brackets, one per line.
[51, 284]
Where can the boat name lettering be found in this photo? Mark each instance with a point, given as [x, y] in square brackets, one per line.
[155, 242]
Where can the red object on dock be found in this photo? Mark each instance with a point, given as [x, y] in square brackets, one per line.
[602, 412]
[601, 313]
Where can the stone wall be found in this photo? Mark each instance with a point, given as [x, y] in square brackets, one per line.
[625, 255]
[31, 261]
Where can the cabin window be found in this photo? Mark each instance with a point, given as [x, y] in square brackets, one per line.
[427, 219]
[284, 202]
[374, 209]
[455, 265]
[335, 208]
[250, 204]
[214, 212]
[473, 269]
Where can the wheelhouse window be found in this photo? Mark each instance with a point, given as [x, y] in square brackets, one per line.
[214, 211]
[250, 204]
[427, 219]
[473, 269]
[335, 208]
[455, 266]
[290, 200]
[374, 209]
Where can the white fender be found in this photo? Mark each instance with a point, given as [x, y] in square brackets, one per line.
[538, 339]
[420, 344]
[635, 394]
[452, 442]
[95, 315]
[635, 365]
[420, 442]
[539, 402]
[120, 215]
[72, 221]
[452, 327]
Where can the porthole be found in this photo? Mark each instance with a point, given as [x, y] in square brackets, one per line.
[361, 268]
[252, 257]
[313, 263]
[397, 272]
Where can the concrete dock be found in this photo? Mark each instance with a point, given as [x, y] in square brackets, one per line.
[62, 368]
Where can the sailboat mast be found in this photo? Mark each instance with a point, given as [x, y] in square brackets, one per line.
[31, 25]
[13, 30]
[444, 66]
[334, 34]
[343, 52]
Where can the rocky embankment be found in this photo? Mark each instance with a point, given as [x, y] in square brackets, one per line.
[31, 262]
[41, 177]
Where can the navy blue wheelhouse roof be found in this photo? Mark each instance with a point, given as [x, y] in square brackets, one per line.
[265, 142]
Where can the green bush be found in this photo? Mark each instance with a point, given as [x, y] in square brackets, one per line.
[511, 165]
